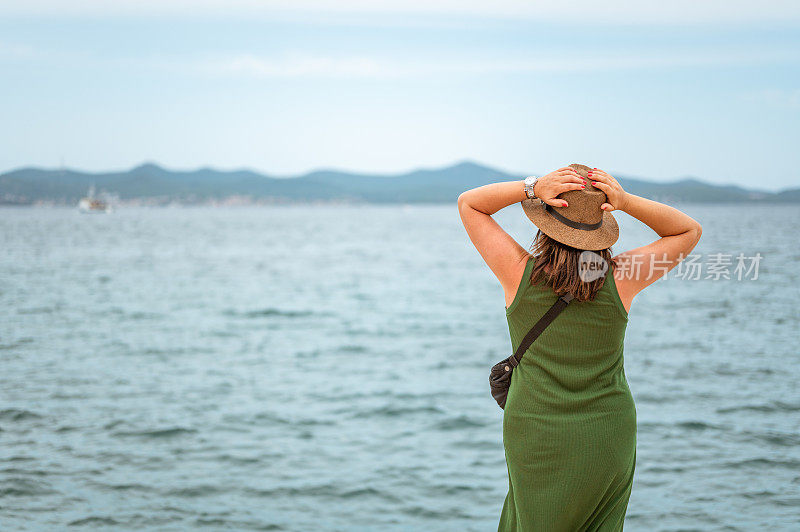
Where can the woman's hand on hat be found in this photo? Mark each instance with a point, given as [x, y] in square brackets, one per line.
[549, 186]
[617, 197]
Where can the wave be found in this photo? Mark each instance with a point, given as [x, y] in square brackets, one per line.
[331, 491]
[459, 423]
[29, 472]
[38, 310]
[136, 314]
[774, 406]
[274, 418]
[697, 425]
[195, 491]
[763, 462]
[227, 524]
[24, 487]
[18, 414]
[171, 432]
[352, 348]
[662, 469]
[15, 344]
[94, 520]
[268, 313]
[396, 411]
[124, 487]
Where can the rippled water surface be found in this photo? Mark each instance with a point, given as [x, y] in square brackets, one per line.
[325, 368]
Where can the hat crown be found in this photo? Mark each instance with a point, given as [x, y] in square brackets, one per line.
[583, 206]
[582, 224]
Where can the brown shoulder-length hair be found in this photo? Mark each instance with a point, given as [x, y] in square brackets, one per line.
[557, 266]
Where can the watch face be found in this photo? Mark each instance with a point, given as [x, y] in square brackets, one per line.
[529, 184]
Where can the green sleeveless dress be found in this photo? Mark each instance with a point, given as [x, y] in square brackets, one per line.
[569, 425]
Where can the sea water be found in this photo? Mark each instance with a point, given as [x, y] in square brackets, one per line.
[325, 368]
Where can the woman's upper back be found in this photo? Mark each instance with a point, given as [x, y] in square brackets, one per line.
[583, 345]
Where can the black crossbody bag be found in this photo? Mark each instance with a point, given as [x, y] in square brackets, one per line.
[500, 375]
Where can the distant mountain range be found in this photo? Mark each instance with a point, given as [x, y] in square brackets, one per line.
[150, 184]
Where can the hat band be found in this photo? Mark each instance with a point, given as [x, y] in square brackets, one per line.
[571, 223]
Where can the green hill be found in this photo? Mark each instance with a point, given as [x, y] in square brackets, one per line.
[153, 184]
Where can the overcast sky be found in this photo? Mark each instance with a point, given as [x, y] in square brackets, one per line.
[706, 89]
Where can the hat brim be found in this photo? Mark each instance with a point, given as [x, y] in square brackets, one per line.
[594, 239]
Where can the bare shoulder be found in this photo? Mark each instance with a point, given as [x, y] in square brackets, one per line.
[622, 279]
[516, 271]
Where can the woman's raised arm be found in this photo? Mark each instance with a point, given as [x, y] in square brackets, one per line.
[643, 266]
[504, 256]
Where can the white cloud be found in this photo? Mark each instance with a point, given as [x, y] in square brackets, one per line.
[781, 98]
[299, 66]
[618, 11]
[318, 65]
[308, 65]
[17, 51]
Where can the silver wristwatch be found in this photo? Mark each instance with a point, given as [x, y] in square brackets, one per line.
[530, 182]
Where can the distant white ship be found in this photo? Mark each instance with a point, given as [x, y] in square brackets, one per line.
[91, 203]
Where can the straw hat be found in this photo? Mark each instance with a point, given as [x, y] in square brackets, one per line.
[582, 224]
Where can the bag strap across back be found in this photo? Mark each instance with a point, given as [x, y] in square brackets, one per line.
[560, 304]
